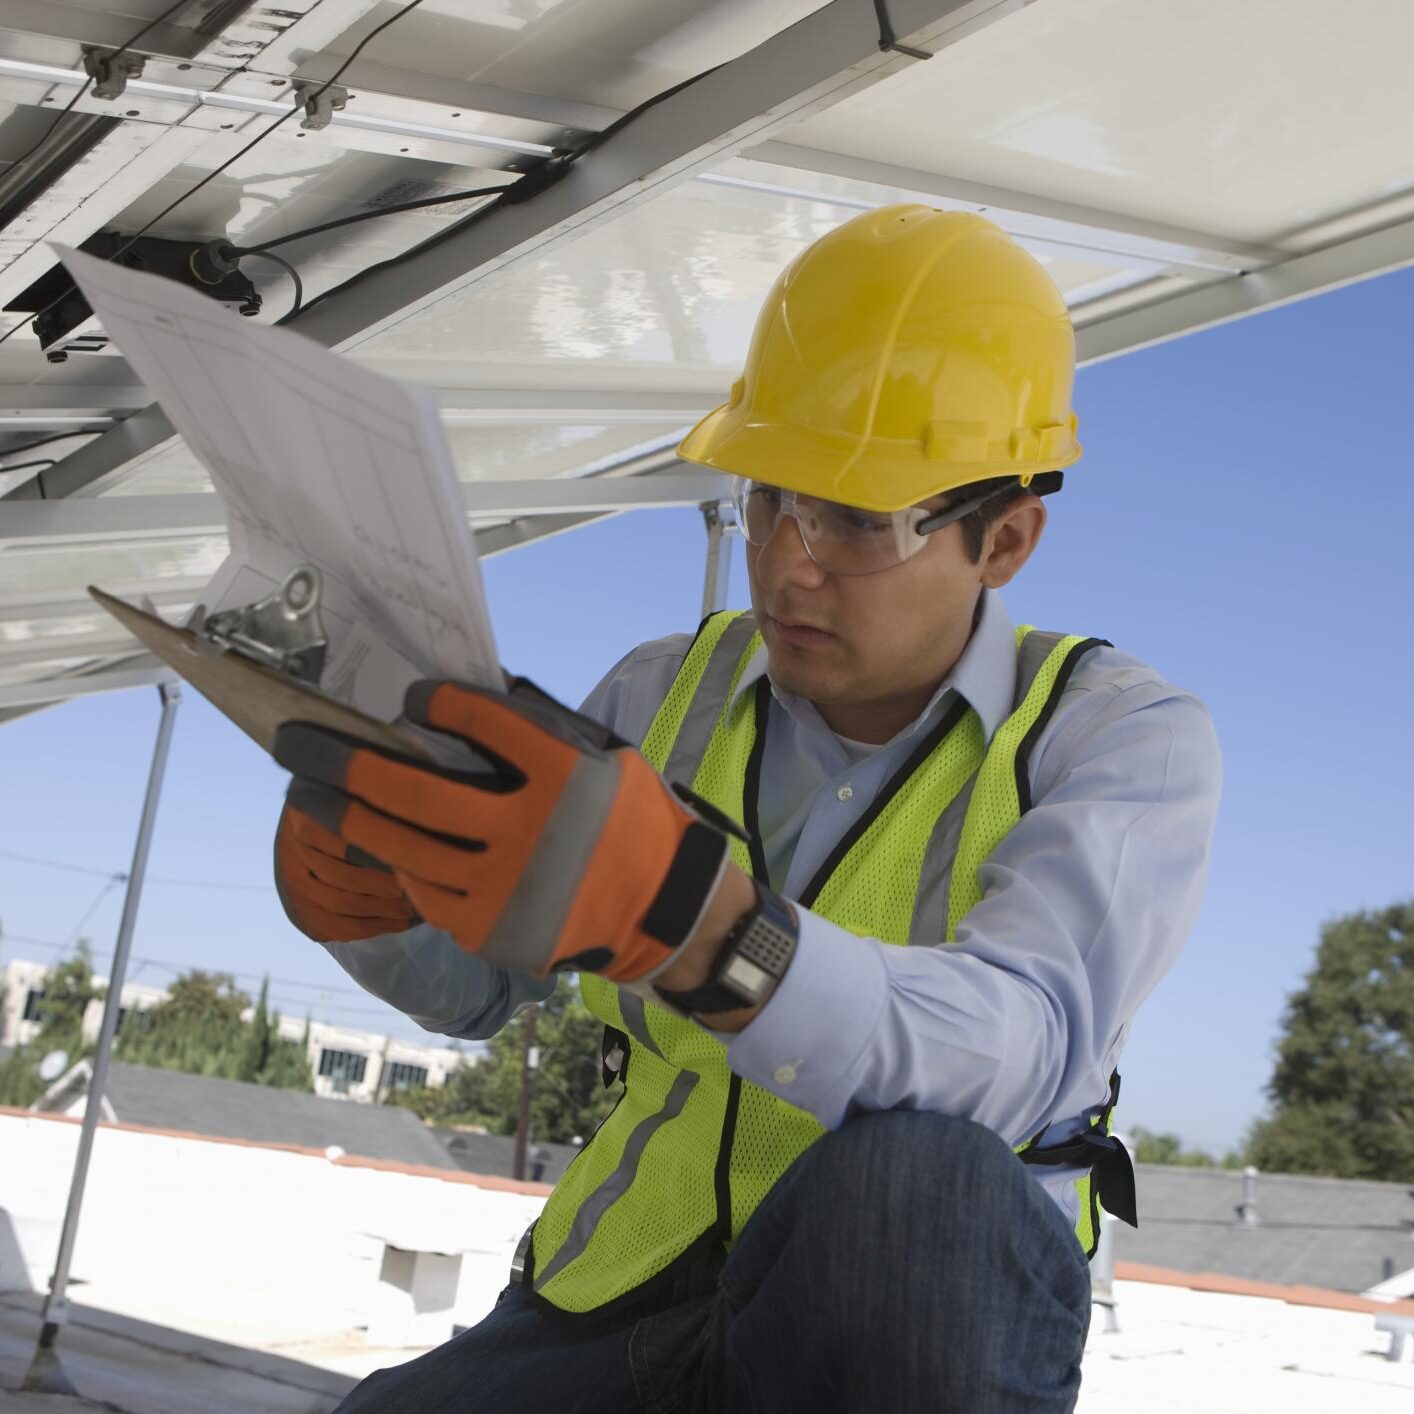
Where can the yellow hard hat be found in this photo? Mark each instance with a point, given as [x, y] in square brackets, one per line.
[908, 352]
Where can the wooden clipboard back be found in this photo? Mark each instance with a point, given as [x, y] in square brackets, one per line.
[256, 698]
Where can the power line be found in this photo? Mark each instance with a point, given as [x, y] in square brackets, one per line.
[93, 907]
[122, 878]
[287, 1002]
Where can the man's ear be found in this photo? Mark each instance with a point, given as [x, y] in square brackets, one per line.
[1010, 539]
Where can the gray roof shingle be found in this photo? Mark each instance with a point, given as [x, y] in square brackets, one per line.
[1327, 1232]
[231, 1109]
[495, 1153]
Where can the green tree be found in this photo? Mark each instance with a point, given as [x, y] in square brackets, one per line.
[69, 986]
[1151, 1148]
[198, 1028]
[568, 1098]
[1342, 1090]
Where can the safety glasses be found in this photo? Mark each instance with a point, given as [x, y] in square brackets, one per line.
[843, 539]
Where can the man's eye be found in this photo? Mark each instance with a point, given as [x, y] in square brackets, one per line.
[861, 524]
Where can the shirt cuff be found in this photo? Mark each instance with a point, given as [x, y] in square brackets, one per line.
[808, 1044]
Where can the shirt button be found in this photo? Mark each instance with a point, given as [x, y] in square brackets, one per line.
[845, 793]
[785, 1074]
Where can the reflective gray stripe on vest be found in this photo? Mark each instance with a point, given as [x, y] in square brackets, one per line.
[930, 910]
[708, 701]
[631, 1006]
[526, 932]
[619, 1182]
[929, 925]
[1031, 657]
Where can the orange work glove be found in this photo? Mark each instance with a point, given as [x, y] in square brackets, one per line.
[567, 850]
[328, 895]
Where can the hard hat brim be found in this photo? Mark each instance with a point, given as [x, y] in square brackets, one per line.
[877, 475]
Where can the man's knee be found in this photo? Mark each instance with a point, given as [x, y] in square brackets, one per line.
[939, 1159]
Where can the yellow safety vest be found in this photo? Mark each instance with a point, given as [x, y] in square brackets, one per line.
[691, 1149]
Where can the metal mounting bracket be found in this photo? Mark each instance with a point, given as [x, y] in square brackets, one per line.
[319, 101]
[110, 70]
[284, 631]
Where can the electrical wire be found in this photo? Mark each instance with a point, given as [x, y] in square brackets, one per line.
[88, 82]
[289, 270]
[45, 863]
[235, 157]
[25, 466]
[45, 441]
[180, 968]
[308, 1004]
[540, 177]
[102, 894]
[450, 197]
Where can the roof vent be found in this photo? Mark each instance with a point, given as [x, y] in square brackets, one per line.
[1247, 1208]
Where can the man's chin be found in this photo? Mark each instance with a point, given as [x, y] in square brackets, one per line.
[812, 681]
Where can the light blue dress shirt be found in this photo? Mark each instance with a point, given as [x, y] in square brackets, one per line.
[1017, 1024]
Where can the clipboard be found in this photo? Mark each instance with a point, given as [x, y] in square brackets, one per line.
[257, 697]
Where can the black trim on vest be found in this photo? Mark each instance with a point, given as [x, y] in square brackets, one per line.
[1023, 752]
[706, 619]
[895, 783]
[751, 787]
[722, 1176]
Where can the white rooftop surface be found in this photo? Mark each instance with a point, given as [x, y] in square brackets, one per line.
[175, 1312]
[1177, 1350]
[1180, 1350]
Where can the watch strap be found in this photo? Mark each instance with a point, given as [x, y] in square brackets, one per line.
[755, 953]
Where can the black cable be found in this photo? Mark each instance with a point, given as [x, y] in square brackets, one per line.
[368, 216]
[284, 117]
[45, 441]
[25, 466]
[289, 270]
[236, 156]
[88, 83]
[545, 174]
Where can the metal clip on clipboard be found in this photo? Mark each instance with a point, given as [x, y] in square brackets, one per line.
[260, 664]
[283, 631]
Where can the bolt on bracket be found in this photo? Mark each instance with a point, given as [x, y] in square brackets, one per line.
[319, 101]
[110, 70]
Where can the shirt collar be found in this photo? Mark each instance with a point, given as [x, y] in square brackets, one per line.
[985, 675]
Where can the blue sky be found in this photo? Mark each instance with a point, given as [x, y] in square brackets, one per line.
[1241, 519]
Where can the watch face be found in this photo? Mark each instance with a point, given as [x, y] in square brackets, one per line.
[745, 977]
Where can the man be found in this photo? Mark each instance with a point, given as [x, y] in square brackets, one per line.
[867, 968]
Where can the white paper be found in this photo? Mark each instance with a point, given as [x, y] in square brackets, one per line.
[319, 462]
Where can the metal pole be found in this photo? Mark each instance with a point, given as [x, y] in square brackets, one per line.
[719, 560]
[530, 1058]
[45, 1374]
[1102, 1273]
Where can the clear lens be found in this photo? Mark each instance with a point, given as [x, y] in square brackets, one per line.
[840, 539]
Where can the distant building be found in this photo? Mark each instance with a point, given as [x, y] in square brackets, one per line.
[349, 1064]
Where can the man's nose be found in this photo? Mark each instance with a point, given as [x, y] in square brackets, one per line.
[783, 559]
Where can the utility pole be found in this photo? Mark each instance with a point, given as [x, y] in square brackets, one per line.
[530, 1059]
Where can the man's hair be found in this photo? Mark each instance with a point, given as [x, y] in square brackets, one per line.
[974, 525]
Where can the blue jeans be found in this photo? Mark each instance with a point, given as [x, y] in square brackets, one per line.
[905, 1262]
